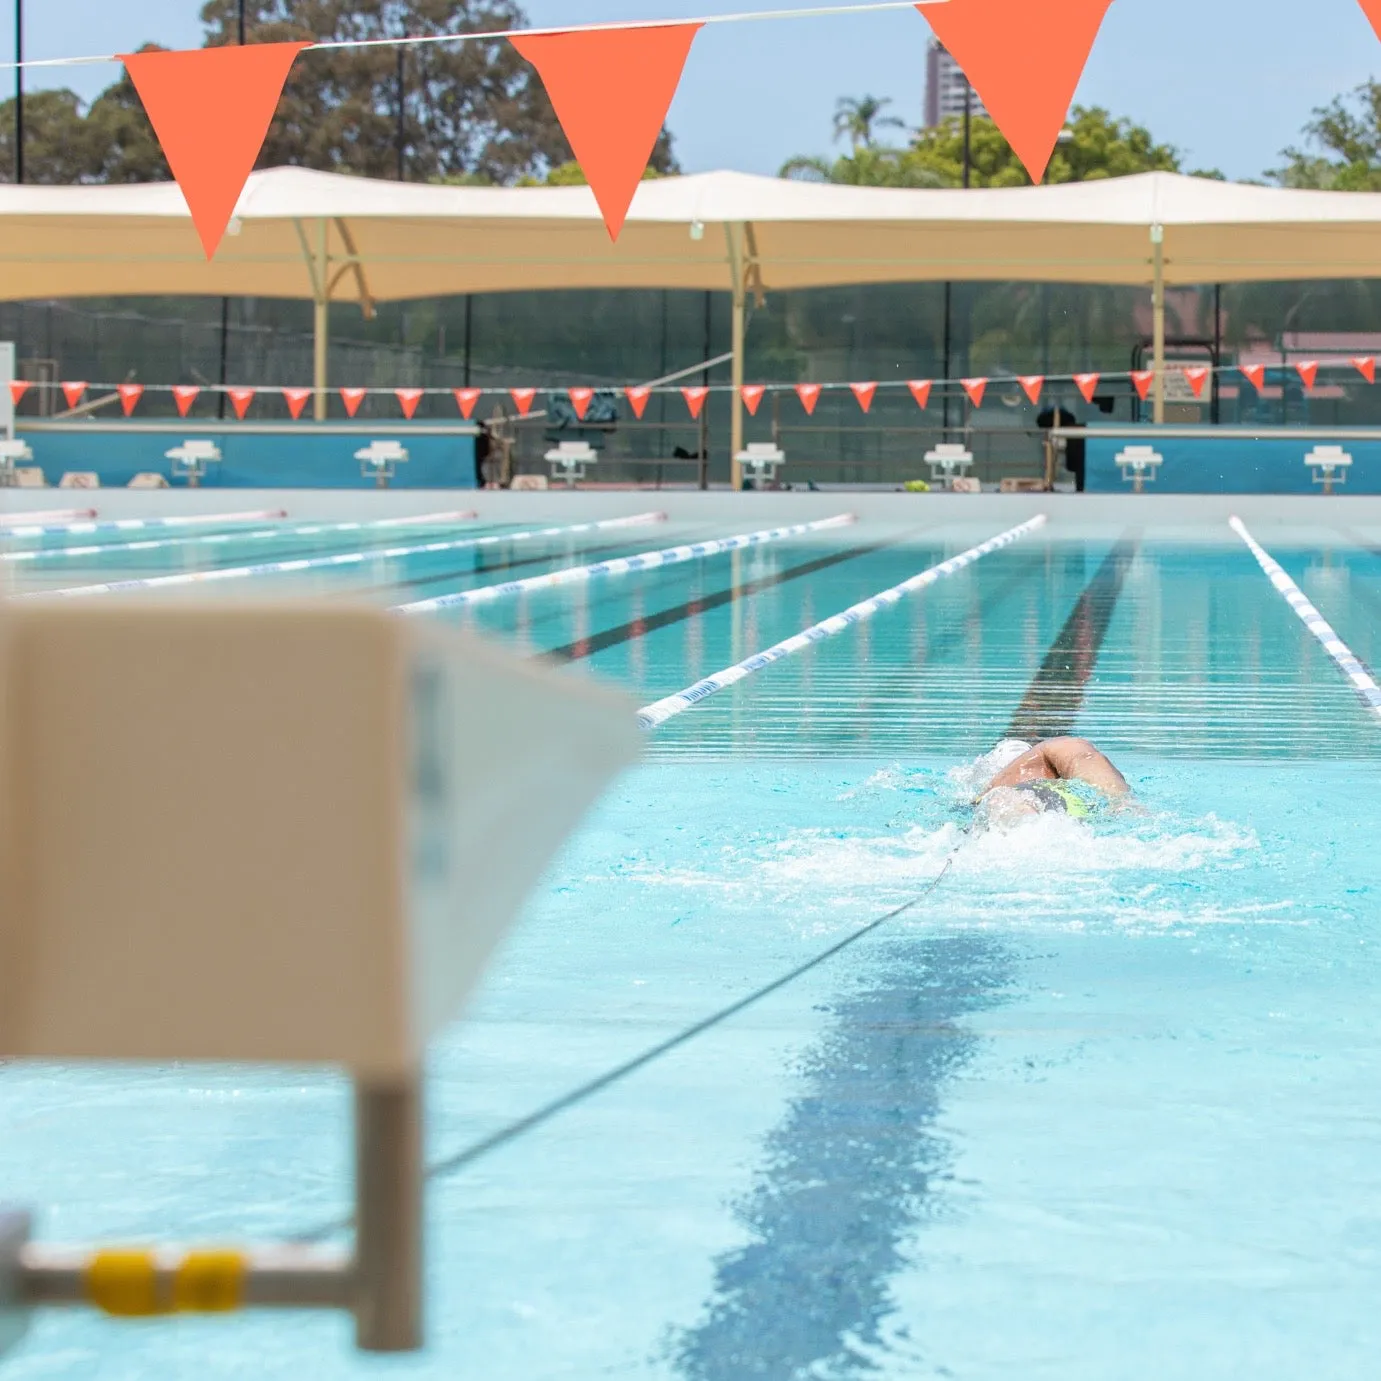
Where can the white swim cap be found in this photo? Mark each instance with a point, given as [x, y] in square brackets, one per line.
[973, 778]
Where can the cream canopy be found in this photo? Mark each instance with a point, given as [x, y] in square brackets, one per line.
[328, 237]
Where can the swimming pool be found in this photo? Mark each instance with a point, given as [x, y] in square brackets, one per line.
[1100, 1106]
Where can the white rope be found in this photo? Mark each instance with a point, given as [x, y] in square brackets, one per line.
[1356, 671]
[140, 524]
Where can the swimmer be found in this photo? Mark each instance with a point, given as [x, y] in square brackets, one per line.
[1033, 780]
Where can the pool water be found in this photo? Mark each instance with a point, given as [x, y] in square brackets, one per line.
[1101, 1105]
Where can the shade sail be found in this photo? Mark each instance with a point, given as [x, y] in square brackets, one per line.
[296, 229]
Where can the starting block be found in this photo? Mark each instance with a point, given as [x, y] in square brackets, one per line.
[948, 461]
[379, 460]
[12, 452]
[1139, 465]
[760, 461]
[568, 460]
[1329, 465]
[191, 459]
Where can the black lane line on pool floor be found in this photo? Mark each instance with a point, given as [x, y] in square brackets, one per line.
[703, 604]
[1055, 696]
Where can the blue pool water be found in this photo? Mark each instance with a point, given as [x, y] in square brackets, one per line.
[1102, 1106]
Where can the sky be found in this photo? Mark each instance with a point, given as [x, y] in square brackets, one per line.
[1228, 82]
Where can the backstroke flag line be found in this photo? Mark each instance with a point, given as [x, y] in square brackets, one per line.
[1024, 59]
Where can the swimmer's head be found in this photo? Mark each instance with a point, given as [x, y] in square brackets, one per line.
[1005, 806]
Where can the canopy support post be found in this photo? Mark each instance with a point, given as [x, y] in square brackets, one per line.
[321, 320]
[1158, 322]
[734, 232]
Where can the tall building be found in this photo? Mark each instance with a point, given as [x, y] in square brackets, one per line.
[945, 83]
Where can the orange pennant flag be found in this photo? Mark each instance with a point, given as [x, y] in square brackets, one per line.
[1086, 383]
[1024, 60]
[864, 394]
[1031, 385]
[18, 388]
[130, 394]
[809, 394]
[240, 399]
[1197, 376]
[695, 398]
[580, 400]
[1256, 373]
[73, 393]
[752, 396]
[1142, 379]
[408, 399]
[1365, 365]
[975, 388]
[611, 89]
[352, 398]
[637, 399]
[184, 395]
[522, 399]
[1372, 10]
[296, 399]
[1308, 371]
[920, 391]
[211, 109]
[466, 398]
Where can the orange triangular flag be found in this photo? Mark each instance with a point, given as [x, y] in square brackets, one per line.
[1024, 61]
[408, 399]
[1256, 373]
[522, 399]
[1031, 385]
[130, 394]
[975, 388]
[920, 391]
[1086, 383]
[1365, 365]
[752, 396]
[352, 398]
[1142, 379]
[1308, 371]
[1197, 377]
[1372, 10]
[864, 394]
[695, 398]
[73, 393]
[18, 388]
[809, 394]
[611, 89]
[637, 398]
[184, 395]
[466, 398]
[211, 108]
[296, 399]
[580, 400]
[240, 399]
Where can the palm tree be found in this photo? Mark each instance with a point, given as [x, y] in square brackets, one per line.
[858, 116]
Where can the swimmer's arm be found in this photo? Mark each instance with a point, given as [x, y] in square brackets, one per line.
[1076, 759]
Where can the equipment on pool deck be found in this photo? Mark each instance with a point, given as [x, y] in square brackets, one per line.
[317, 877]
[568, 460]
[11, 452]
[379, 460]
[760, 461]
[1329, 466]
[1139, 464]
[80, 479]
[948, 461]
[191, 459]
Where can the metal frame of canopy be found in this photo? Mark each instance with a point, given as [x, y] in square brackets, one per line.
[326, 237]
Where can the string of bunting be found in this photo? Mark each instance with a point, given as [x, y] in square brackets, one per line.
[1033, 386]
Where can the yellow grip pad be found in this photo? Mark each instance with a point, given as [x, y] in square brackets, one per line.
[124, 1283]
[209, 1282]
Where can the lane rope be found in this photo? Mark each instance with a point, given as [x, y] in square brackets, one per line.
[510, 1132]
[650, 716]
[643, 561]
[144, 524]
[349, 558]
[1352, 666]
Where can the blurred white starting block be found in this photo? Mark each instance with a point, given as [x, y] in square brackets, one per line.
[760, 461]
[948, 461]
[1139, 465]
[379, 460]
[1329, 465]
[79, 479]
[268, 833]
[11, 453]
[191, 459]
[568, 460]
[148, 479]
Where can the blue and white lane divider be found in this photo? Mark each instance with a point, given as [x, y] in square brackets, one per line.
[319, 563]
[141, 524]
[650, 716]
[260, 534]
[47, 515]
[643, 561]
[1356, 671]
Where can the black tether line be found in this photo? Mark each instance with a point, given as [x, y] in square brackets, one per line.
[477, 1149]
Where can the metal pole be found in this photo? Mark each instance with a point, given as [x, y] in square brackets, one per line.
[321, 322]
[944, 395]
[401, 135]
[1158, 322]
[469, 302]
[1214, 408]
[735, 233]
[968, 119]
[19, 90]
[704, 446]
[225, 301]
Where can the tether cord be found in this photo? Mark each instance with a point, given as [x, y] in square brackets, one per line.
[477, 1149]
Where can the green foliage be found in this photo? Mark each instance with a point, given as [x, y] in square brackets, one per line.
[855, 118]
[1345, 136]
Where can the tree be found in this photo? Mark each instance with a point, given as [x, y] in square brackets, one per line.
[56, 137]
[856, 116]
[1347, 133]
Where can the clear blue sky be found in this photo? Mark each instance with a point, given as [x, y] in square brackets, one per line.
[1228, 81]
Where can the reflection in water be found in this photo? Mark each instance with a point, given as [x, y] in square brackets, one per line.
[851, 1171]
